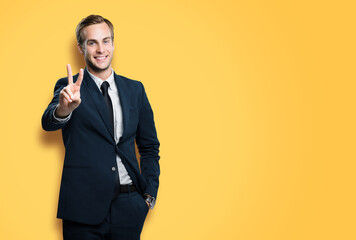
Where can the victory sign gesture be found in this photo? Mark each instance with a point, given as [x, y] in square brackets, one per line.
[69, 97]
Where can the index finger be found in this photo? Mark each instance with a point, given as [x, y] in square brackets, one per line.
[70, 76]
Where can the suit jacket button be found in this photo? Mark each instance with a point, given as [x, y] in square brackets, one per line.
[113, 169]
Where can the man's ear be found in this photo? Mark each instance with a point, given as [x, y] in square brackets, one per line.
[80, 49]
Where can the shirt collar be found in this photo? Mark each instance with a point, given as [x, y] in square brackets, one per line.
[99, 81]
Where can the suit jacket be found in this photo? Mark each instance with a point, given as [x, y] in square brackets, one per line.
[88, 178]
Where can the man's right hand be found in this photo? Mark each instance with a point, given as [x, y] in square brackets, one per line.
[69, 97]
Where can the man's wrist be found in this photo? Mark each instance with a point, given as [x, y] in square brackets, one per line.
[59, 119]
[58, 113]
[151, 201]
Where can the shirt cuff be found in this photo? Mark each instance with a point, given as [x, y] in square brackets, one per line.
[61, 120]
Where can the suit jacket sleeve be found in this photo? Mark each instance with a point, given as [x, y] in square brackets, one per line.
[148, 146]
[49, 123]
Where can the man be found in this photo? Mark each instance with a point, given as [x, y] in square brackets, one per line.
[104, 193]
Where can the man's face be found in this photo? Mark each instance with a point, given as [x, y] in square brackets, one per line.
[98, 47]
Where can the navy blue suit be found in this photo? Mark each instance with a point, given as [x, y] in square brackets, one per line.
[88, 179]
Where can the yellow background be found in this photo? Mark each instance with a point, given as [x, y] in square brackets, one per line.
[254, 104]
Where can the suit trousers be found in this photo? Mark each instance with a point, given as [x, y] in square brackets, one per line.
[124, 221]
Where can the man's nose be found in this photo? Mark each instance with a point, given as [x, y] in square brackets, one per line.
[100, 48]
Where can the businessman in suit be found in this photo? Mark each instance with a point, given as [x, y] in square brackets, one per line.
[105, 193]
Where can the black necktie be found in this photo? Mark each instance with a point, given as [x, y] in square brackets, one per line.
[104, 89]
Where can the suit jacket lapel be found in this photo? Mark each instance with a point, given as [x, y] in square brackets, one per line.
[98, 100]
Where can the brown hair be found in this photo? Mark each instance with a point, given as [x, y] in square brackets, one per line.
[91, 20]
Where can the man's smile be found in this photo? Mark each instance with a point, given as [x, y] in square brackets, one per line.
[101, 57]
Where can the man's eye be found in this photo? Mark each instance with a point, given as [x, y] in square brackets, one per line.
[91, 43]
[106, 41]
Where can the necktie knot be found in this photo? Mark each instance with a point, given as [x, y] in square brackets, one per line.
[104, 87]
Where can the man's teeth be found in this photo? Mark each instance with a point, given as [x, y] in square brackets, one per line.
[100, 58]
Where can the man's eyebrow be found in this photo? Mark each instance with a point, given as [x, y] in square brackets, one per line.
[95, 40]
[92, 40]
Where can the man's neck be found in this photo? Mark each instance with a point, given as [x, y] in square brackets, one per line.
[103, 75]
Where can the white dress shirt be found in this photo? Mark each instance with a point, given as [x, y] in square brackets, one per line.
[118, 122]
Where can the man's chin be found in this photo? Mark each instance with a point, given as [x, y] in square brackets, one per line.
[98, 69]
